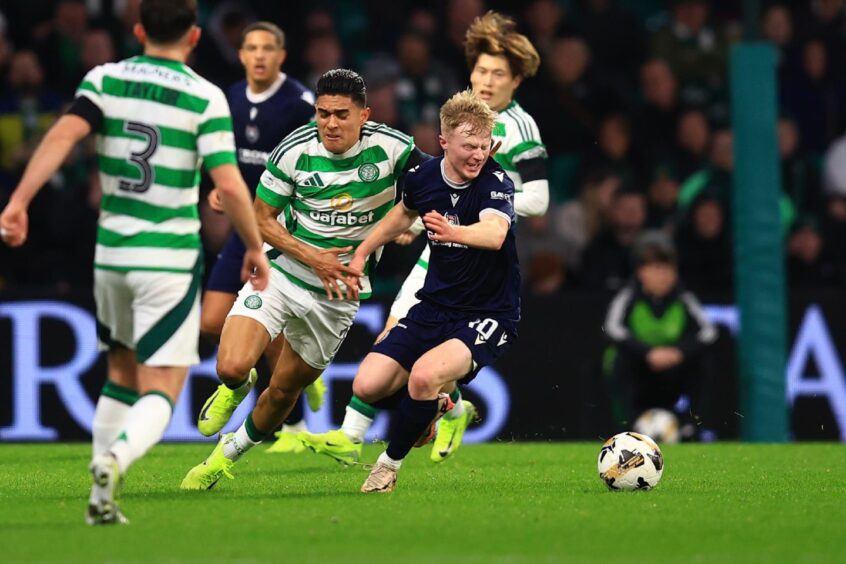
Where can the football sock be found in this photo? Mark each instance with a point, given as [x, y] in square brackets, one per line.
[385, 459]
[414, 417]
[246, 437]
[358, 418]
[110, 415]
[145, 424]
[458, 409]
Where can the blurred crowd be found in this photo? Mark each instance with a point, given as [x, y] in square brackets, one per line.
[631, 101]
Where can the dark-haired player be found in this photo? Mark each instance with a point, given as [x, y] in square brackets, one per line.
[154, 118]
[334, 180]
[266, 106]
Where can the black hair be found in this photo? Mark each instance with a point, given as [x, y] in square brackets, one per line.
[343, 82]
[269, 27]
[166, 21]
[654, 247]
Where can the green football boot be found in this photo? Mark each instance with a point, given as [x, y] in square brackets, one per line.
[205, 475]
[286, 443]
[221, 405]
[314, 393]
[451, 431]
[335, 444]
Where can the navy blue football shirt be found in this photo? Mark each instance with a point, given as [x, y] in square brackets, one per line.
[460, 278]
[261, 121]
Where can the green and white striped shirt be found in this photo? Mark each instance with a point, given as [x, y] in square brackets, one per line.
[520, 139]
[160, 118]
[332, 200]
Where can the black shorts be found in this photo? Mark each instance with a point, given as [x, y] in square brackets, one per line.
[426, 326]
[226, 273]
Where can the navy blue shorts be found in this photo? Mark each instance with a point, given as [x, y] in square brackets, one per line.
[426, 326]
[226, 274]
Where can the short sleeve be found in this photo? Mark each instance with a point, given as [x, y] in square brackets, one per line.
[409, 190]
[498, 196]
[91, 87]
[275, 187]
[215, 140]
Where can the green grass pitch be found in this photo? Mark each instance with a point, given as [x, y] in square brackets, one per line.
[503, 502]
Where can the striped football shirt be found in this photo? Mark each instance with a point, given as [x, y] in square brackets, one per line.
[520, 139]
[332, 200]
[160, 120]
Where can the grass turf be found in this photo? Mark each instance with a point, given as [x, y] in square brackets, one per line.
[506, 502]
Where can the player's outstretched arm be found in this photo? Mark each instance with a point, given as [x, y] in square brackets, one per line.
[325, 262]
[488, 233]
[45, 161]
[235, 199]
[396, 222]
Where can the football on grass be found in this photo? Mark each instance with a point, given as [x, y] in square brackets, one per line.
[630, 461]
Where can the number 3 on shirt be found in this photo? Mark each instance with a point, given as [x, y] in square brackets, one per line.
[141, 159]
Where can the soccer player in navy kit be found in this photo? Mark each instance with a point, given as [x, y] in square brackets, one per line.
[470, 301]
[266, 106]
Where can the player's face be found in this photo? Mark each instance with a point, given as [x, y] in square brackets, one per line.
[493, 81]
[339, 122]
[465, 152]
[261, 56]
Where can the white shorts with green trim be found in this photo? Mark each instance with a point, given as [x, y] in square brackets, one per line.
[406, 298]
[156, 314]
[314, 326]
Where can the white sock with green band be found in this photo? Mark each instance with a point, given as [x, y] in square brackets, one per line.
[145, 424]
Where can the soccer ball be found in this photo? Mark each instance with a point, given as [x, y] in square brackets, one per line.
[630, 461]
[660, 424]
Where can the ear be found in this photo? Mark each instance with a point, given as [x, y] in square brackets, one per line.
[365, 115]
[516, 82]
[442, 142]
[139, 33]
[194, 36]
[282, 56]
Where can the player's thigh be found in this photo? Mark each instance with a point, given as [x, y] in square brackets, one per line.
[448, 362]
[378, 377]
[216, 306]
[317, 335]
[292, 373]
[166, 317]
[242, 343]
[113, 297]
[167, 380]
[273, 351]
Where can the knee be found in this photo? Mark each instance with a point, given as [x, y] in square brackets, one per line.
[422, 384]
[366, 390]
[231, 369]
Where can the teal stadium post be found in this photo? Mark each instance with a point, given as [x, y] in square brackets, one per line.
[758, 245]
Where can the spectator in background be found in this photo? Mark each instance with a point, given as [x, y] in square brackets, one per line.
[615, 35]
[425, 134]
[27, 110]
[60, 51]
[693, 139]
[606, 263]
[128, 13]
[825, 20]
[579, 221]
[97, 49]
[546, 254]
[799, 177]
[777, 28]
[658, 117]
[459, 14]
[814, 97]
[715, 178]
[424, 84]
[216, 56]
[694, 50]
[662, 198]
[545, 19]
[615, 151]
[703, 240]
[322, 53]
[659, 339]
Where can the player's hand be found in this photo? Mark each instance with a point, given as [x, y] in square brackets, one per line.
[256, 268]
[439, 228]
[14, 224]
[332, 272]
[663, 358]
[390, 323]
[215, 203]
[406, 238]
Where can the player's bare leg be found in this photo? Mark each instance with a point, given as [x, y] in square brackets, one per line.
[242, 343]
[445, 363]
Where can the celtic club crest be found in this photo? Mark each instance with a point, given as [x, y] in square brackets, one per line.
[368, 172]
[252, 302]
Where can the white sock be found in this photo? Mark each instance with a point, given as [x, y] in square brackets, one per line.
[109, 420]
[145, 424]
[456, 411]
[296, 427]
[355, 424]
[385, 459]
[239, 443]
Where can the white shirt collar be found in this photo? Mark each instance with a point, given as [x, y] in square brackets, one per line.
[258, 98]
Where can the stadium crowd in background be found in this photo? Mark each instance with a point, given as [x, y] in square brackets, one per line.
[631, 101]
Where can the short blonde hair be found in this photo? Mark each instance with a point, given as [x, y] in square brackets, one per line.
[495, 34]
[467, 108]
